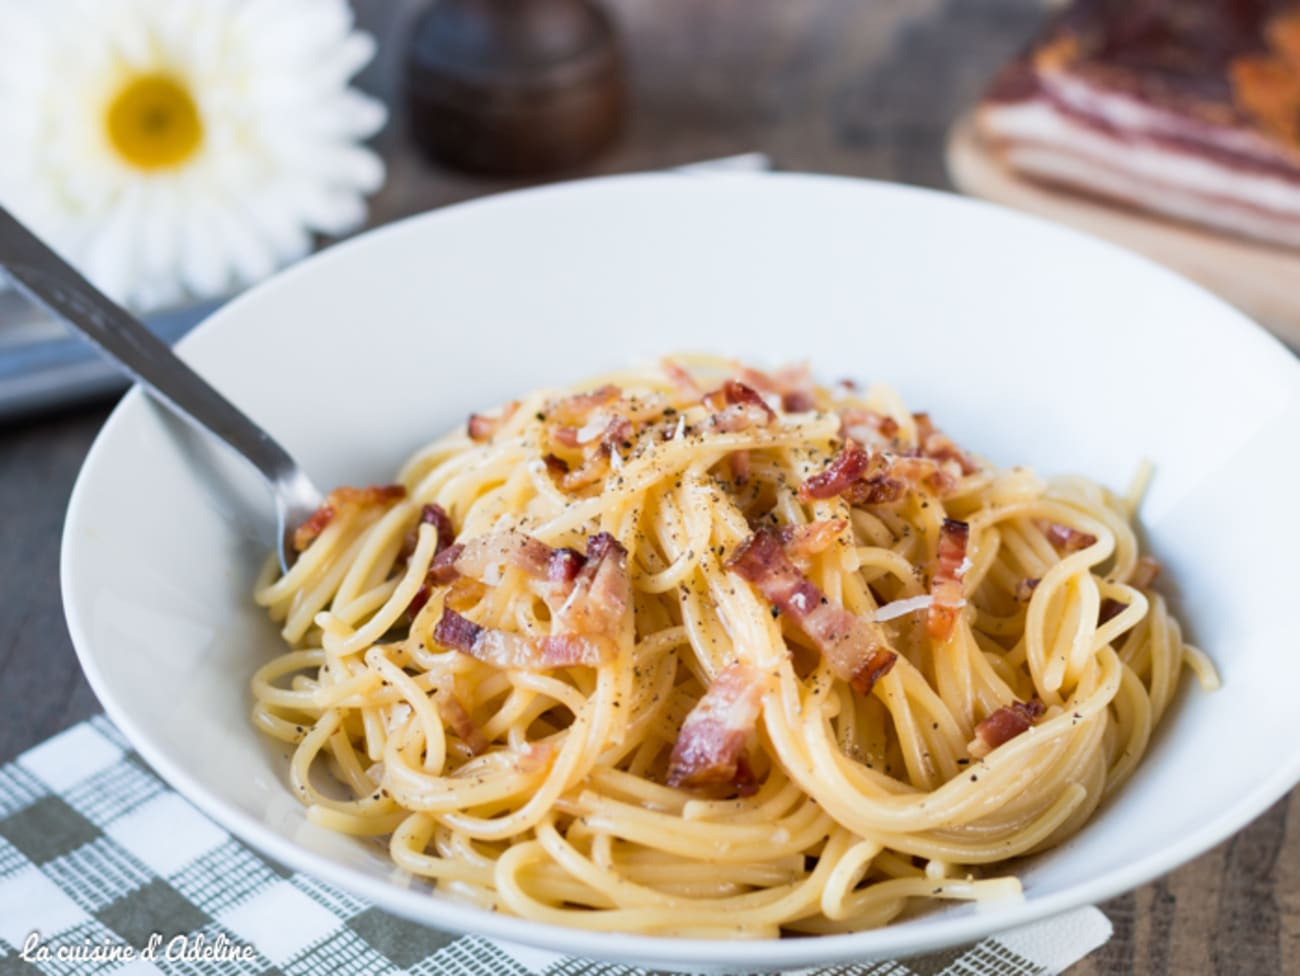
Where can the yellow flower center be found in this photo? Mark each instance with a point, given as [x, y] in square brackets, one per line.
[153, 123]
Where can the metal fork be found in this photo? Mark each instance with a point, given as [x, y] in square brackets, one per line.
[45, 277]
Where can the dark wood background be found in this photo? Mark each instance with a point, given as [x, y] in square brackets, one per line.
[858, 87]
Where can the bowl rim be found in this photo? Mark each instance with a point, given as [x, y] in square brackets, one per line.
[937, 932]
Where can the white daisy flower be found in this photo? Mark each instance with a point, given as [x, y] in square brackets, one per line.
[183, 148]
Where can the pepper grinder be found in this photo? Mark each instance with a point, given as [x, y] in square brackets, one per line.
[514, 87]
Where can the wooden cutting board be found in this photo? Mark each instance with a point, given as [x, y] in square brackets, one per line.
[1262, 281]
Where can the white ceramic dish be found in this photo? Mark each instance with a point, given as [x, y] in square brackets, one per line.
[1029, 342]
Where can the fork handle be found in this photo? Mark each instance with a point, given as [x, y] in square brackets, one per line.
[45, 277]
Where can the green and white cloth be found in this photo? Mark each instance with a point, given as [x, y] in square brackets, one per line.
[97, 853]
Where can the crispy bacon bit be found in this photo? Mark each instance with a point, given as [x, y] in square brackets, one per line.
[340, 499]
[306, 534]
[802, 542]
[844, 471]
[854, 647]
[443, 568]
[745, 782]
[683, 382]
[933, 444]
[1110, 609]
[866, 426]
[1005, 724]
[1066, 538]
[874, 478]
[738, 407]
[456, 631]
[937, 446]
[441, 572]
[570, 650]
[435, 515]
[509, 651]
[483, 428]
[418, 601]
[740, 468]
[565, 436]
[945, 583]
[455, 715]
[618, 433]
[601, 593]
[574, 410]
[878, 489]
[564, 564]
[489, 554]
[792, 384]
[711, 744]
[557, 467]
[1025, 588]
[1145, 572]
[589, 597]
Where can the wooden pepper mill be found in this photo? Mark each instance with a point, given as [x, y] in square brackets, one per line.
[514, 87]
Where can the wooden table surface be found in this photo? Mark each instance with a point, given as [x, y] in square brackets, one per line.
[857, 87]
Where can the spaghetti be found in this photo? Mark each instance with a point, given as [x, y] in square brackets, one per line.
[700, 650]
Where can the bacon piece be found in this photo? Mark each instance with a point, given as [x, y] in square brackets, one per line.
[574, 410]
[798, 401]
[874, 478]
[593, 469]
[599, 440]
[683, 382]
[802, 542]
[934, 444]
[443, 568]
[1005, 724]
[945, 583]
[481, 427]
[340, 499]
[601, 593]
[493, 552]
[306, 534]
[792, 384]
[557, 467]
[1025, 588]
[565, 436]
[1067, 538]
[866, 426]
[455, 715]
[854, 647]
[564, 565]
[738, 407]
[711, 743]
[590, 598]
[608, 432]
[1145, 572]
[516, 652]
[842, 473]
[435, 515]
[441, 572]
[617, 433]
[1110, 609]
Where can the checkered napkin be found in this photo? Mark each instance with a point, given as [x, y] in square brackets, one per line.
[96, 851]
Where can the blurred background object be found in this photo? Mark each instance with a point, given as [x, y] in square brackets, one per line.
[498, 86]
[181, 149]
[1170, 126]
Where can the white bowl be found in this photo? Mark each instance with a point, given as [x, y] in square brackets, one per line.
[1030, 343]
